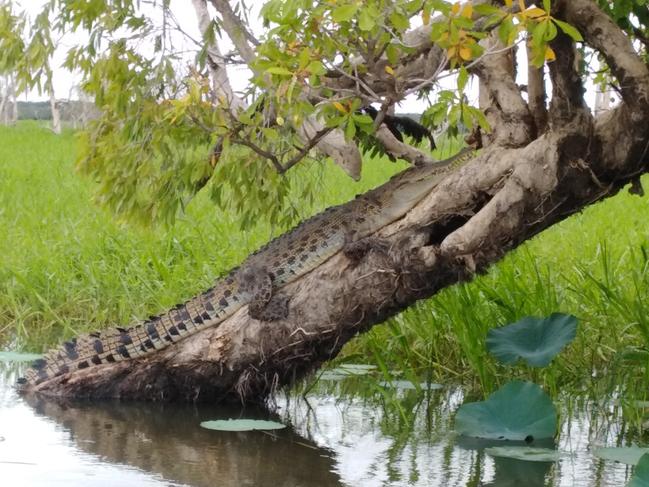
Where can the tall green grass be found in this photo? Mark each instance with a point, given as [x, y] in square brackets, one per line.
[66, 266]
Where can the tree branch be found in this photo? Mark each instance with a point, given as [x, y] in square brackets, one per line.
[506, 110]
[332, 143]
[536, 96]
[602, 34]
[220, 82]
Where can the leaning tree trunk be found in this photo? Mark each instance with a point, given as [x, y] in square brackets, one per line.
[527, 179]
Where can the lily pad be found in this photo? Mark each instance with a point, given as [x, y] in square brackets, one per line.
[7, 356]
[641, 473]
[407, 385]
[332, 375]
[526, 453]
[355, 369]
[629, 454]
[517, 411]
[535, 340]
[242, 425]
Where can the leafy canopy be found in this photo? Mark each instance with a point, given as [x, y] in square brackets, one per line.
[164, 135]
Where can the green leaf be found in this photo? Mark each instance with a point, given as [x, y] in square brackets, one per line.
[546, 5]
[630, 455]
[393, 54]
[535, 340]
[487, 9]
[279, 70]
[241, 425]
[641, 473]
[344, 12]
[399, 21]
[350, 129]
[366, 20]
[8, 356]
[462, 78]
[569, 30]
[526, 453]
[516, 411]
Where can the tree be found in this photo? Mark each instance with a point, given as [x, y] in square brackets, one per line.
[318, 64]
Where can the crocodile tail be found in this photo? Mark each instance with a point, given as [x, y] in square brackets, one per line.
[119, 344]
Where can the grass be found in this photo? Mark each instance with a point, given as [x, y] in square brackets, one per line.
[67, 267]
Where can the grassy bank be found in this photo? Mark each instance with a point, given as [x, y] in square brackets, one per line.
[68, 267]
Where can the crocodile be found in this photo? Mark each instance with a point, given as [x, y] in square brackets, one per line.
[258, 280]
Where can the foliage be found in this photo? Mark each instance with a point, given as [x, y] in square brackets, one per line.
[517, 411]
[535, 340]
[163, 136]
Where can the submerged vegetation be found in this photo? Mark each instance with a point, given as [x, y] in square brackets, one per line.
[67, 267]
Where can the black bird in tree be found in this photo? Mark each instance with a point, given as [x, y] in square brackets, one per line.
[403, 125]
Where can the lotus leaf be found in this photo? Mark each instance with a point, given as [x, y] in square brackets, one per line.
[517, 411]
[535, 340]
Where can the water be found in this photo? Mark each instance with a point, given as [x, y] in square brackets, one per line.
[334, 439]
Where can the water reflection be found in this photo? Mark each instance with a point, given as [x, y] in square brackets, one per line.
[164, 440]
[337, 439]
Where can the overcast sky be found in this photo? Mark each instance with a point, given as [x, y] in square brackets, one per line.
[184, 12]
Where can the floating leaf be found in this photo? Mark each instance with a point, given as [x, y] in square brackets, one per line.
[516, 411]
[331, 375]
[407, 385]
[7, 356]
[641, 473]
[629, 454]
[242, 425]
[346, 370]
[527, 453]
[535, 340]
[354, 369]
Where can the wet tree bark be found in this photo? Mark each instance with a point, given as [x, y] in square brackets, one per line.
[530, 176]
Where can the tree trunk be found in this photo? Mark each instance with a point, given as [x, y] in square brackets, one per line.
[13, 115]
[499, 200]
[521, 183]
[56, 114]
[4, 95]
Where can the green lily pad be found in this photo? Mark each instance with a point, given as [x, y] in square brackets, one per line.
[535, 340]
[7, 356]
[242, 425]
[641, 473]
[517, 411]
[629, 454]
[526, 453]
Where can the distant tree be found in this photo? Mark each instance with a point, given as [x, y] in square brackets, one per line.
[180, 127]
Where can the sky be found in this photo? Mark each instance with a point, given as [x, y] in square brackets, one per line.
[64, 81]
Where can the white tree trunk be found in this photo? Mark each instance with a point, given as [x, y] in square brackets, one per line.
[56, 114]
[3, 100]
[13, 117]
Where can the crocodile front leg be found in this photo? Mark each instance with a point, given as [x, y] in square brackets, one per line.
[263, 306]
[356, 249]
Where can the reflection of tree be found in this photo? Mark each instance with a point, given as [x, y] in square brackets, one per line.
[168, 440]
